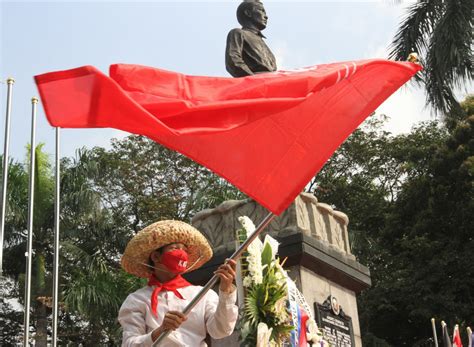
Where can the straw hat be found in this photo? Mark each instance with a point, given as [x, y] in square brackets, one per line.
[160, 234]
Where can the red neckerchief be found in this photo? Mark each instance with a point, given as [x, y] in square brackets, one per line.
[172, 286]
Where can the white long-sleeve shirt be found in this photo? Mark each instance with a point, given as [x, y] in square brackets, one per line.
[214, 314]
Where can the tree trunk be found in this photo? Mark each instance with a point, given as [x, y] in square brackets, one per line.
[41, 337]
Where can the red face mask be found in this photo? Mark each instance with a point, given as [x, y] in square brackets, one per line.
[176, 260]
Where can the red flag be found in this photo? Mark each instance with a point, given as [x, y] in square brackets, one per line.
[267, 134]
[456, 337]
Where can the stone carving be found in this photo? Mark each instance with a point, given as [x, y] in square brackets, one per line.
[306, 215]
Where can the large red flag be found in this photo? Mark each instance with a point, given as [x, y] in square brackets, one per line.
[267, 134]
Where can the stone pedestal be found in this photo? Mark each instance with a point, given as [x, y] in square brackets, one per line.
[314, 239]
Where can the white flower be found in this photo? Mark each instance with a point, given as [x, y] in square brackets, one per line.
[263, 335]
[247, 281]
[247, 224]
[255, 267]
[254, 250]
[312, 331]
[281, 275]
[280, 309]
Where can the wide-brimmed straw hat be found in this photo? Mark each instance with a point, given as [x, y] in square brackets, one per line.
[160, 234]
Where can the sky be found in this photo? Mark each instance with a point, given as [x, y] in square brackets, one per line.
[183, 36]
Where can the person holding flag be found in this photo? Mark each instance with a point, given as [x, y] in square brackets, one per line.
[267, 134]
[162, 252]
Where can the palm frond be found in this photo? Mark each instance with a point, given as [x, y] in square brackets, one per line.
[92, 293]
[91, 263]
[415, 28]
[441, 32]
[449, 57]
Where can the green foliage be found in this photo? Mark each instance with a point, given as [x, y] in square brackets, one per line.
[151, 182]
[411, 209]
[267, 256]
[16, 236]
[11, 320]
[262, 303]
[106, 196]
[441, 33]
[409, 198]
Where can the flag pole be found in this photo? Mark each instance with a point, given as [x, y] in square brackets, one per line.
[238, 276]
[435, 337]
[29, 249]
[214, 278]
[56, 245]
[6, 145]
[469, 335]
[446, 338]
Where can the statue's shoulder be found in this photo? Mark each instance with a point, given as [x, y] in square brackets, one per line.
[236, 31]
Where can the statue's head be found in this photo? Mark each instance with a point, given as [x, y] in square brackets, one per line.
[252, 13]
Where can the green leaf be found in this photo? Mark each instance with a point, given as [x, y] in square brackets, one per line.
[267, 255]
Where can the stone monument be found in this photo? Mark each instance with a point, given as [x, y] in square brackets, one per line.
[313, 236]
[315, 240]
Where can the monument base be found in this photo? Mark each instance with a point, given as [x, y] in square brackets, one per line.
[314, 240]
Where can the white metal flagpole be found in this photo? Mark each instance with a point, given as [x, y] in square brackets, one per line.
[56, 246]
[435, 336]
[469, 335]
[29, 249]
[10, 82]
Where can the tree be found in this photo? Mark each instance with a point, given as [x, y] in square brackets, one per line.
[107, 196]
[410, 201]
[364, 177]
[441, 31]
[15, 225]
[94, 286]
[11, 318]
[151, 182]
[428, 237]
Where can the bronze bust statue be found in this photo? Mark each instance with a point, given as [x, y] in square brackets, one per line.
[246, 52]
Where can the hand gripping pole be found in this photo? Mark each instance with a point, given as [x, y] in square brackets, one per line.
[214, 278]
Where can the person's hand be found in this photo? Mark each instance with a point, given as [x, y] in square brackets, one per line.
[171, 321]
[226, 273]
